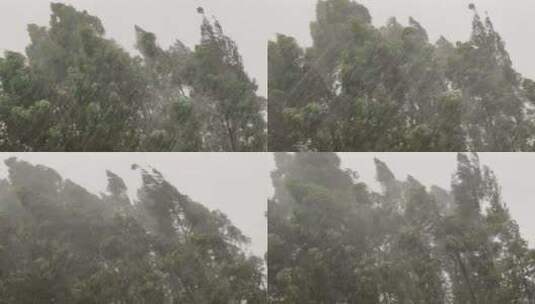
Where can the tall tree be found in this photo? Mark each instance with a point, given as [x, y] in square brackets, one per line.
[226, 93]
[63, 244]
[77, 90]
[334, 240]
[390, 89]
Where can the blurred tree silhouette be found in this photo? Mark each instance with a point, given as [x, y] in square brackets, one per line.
[334, 240]
[62, 244]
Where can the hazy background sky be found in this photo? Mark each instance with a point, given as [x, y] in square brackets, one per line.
[243, 20]
[450, 18]
[238, 184]
[515, 173]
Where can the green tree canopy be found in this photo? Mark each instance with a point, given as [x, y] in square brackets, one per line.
[332, 239]
[77, 90]
[366, 88]
[60, 243]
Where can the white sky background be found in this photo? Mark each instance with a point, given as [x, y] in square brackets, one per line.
[243, 20]
[515, 173]
[513, 19]
[238, 184]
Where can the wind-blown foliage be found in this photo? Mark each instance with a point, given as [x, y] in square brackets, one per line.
[60, 244]
[77, 90]
[334, 240]
[363, 88]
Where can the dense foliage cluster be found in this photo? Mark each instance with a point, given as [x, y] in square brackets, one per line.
[61, 244]
[363, 88]
[76, 90]
[334, 240]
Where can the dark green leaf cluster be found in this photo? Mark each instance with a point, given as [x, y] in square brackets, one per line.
[363, 88]
[60, 243]
[76, 90]
[334, 240]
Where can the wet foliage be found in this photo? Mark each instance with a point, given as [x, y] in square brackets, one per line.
[77, 90]
[332, 239]
[365, 88]
[60, 243]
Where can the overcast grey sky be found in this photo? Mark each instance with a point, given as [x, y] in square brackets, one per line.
[450, 18]
[515, 173]
[242, 20]
[238, 184]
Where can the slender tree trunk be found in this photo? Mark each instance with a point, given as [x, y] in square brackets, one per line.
[466, 277]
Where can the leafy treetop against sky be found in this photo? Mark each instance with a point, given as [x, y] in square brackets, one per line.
[62, 244]
[450, 19]
[105, 99]
[169, 19]
[235, 183]
[366, 85]
[335, 239]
